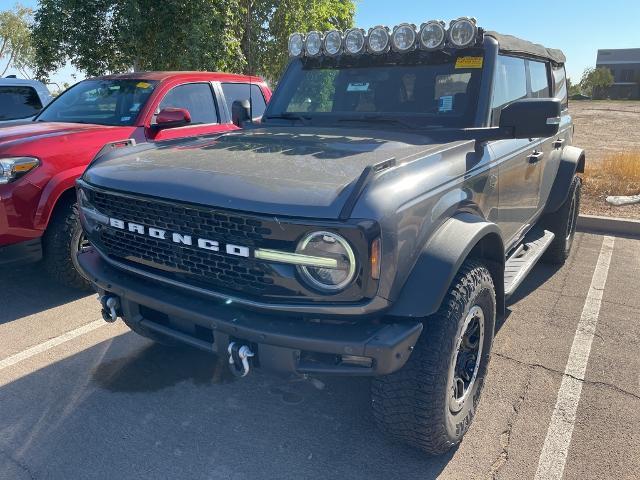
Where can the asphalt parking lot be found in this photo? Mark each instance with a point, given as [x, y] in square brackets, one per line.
[80, 398]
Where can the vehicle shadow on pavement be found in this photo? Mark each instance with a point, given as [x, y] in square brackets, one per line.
[28, 290]
[126, 408]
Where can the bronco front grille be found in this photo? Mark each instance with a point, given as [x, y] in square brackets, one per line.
[181, 262]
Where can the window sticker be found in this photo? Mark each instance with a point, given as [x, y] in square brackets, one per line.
[445, 103]
[125, 119]
[358, 87]
[469, 62]
[143, 85]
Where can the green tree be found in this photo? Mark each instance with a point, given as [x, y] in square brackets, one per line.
[15, 40]
[595, 79]
[250, 36]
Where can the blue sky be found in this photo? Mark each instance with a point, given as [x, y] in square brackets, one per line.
[577, 27]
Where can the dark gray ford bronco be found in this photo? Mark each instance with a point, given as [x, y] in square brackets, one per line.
[400, 186]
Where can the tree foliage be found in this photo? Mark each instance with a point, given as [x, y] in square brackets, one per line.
[250, 36]
[595, 78]
[15, 40]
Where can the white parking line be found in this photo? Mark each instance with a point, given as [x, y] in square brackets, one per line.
[556, 445]
[49, 344]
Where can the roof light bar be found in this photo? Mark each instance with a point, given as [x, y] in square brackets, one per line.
[313, 44]
[404, 38]
[296, 44]
[433, 34]
[463, 32]
[354, 41]
[333, 43]
[378, 40]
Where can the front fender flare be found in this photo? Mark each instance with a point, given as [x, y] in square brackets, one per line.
[571, 162]
[460, 237]
[58, 185]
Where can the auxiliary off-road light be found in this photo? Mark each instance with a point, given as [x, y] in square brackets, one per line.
[432, 35]
[313, 44]
[463, 32]
[330, 246]
[354, 41]
[378, 40]
[333, 43]
[296, 44]
[13, 168]
[403, 37]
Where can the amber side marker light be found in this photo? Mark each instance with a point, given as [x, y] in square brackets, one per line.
[375, 259]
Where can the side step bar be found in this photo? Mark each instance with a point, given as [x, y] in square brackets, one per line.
[524, 258]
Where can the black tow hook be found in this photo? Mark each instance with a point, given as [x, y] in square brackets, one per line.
[110, 308]
[239, 356]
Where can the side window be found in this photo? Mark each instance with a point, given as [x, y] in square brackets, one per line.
[560, 85]
[509, 84]
[240, 91]
[195, 97]
[18, 102]
[539, 80]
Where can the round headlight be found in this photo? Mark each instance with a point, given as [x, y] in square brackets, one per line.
[403, 38]
[432, 35]
[296, 44]
[333, 246]
[462, 32]
[354, 41]
[378, 40]
[333, 42]
[313, 44]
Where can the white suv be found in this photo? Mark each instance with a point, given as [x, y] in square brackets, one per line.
[21, 99]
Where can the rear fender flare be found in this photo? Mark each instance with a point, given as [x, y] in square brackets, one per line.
[462, 236]
[571, 162]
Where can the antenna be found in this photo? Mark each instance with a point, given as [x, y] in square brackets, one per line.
[249, 58]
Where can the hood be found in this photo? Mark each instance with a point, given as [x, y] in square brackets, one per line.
[22, 132]
[279, 171]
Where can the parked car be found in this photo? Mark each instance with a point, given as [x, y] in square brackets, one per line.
[401, 186]
[21, 100]
[40, 161]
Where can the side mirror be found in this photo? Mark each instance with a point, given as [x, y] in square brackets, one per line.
[172, 117]
[531, 118]
[240, 112]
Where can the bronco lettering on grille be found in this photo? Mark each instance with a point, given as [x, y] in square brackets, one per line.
[158, 233]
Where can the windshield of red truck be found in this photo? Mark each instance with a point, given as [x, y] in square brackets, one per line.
[101, 102]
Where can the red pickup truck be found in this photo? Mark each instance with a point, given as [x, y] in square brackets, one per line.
[40, 160]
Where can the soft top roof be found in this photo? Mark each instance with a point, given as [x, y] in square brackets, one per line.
[511, 44]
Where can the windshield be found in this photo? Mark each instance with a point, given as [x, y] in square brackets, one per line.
[103, 102]
[18, 102]
[425, 91]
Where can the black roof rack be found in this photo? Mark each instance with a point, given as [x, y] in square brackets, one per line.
[511, 44]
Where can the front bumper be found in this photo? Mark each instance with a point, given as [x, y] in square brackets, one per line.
[29, 251]
[282, 344]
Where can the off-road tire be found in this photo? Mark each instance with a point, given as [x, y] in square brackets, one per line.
[413, 404]
[563, 225]
[60, 244]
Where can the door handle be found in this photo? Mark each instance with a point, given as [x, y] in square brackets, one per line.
[558, 143]
[535, 157]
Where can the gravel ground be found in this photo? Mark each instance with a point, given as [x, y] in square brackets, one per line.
[603, 128]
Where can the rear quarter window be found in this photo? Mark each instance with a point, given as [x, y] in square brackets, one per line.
[560, 85]
[18, 102]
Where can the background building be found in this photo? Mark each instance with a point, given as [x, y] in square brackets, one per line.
[625, 67]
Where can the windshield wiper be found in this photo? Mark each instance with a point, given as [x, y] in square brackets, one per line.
[380, 119]
[290, 116]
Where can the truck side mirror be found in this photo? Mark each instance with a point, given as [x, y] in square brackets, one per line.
[240, 112]
[532, 117]
[171, 117]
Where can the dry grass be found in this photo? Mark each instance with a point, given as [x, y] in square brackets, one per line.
[615, 174]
